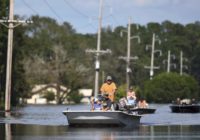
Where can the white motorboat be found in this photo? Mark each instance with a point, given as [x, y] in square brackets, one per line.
[102, 118]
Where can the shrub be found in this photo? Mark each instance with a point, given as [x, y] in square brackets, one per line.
[75, 97]
[49, 96]
[168, 86]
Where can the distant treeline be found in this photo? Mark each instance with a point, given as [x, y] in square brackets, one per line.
[48, 52]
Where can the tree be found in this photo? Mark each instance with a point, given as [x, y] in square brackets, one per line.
[18, 77]
[55, 53]
[49, 96]
[166, 87]
[3, 49]
[55, 60]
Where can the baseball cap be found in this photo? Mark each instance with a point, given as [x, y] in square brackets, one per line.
[109, 78]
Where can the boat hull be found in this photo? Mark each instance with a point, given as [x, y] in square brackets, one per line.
[144, 110]
[101, 118]
[185, 108]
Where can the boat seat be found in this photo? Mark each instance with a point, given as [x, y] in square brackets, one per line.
[124, 106]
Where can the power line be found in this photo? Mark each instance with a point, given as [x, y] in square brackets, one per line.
[76, 10]
[111, 14]
[86, 26]
[27, 5]
[114, 19]
[53, 11]
[80, 13]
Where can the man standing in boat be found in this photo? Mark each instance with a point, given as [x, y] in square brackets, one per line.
[109, 87]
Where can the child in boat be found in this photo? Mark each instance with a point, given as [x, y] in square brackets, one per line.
[142, 103]
[131, 101]
[131, 97]
[95, 104]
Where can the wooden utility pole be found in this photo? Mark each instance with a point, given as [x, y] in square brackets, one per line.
[153, 51]
[169, 64]
[98, 51]
[181, 63]
[182, 59]
[168, 61]
[128, 57]
[11, 25]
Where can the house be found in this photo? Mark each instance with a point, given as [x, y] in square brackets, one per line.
[87, 93]
[39, 91]
[36, 99]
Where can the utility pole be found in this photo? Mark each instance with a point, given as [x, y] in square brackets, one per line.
[128, 57]
[169, 61]
[153, 51]
[11, 25]
[169, 64]
[181, 63]
[98, 51]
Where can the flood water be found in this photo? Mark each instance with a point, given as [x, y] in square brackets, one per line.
[46, 122]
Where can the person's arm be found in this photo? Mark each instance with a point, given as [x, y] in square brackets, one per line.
[92, 103]
[114, 88]
[139, 104]
[102, 89]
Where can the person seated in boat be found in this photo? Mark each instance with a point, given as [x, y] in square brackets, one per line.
[107, 103]
[142, 103]
[131, 97]
[178, 101]
[185, 102]
[193, 101]
[97, 104]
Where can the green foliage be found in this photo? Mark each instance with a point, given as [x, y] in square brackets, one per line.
[121, 92]
[166, 87]
[49, 96]
[75, 97]
[1, 105]
[3, 49]
[138, 92]
[49, 52]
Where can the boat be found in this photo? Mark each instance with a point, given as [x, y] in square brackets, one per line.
[142, 111]
[132, 108]
[185, 108]
[102, 118]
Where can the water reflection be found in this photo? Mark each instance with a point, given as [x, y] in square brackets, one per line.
[8, 134]
[48, 122]
[35, 132]
[52, 115]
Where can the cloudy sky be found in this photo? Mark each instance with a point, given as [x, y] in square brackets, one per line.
[83, 14]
